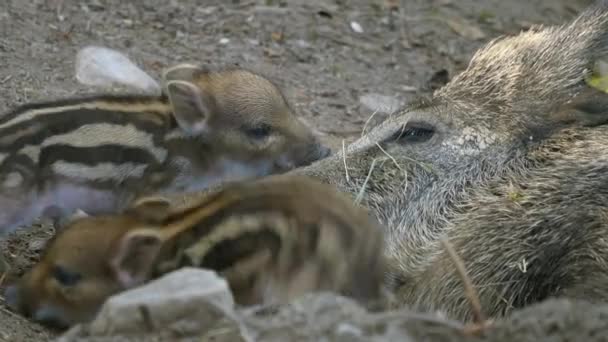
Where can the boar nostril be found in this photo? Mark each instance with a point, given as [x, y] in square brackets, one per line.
[11, 296]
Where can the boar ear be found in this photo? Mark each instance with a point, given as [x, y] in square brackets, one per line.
[191, 106]
[135, 255]
[590, 106]
[151, 209]
[181, 72]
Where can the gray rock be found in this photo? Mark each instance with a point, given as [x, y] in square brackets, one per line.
[380, 103]
[313, 317]
[329, 317]
[37, 244]
[186, 302]
[557, 320]
[326, 317]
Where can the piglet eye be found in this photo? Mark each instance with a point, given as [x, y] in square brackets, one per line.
[258, 132]
[65, 277]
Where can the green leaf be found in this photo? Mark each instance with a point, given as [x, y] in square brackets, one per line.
[599, 77]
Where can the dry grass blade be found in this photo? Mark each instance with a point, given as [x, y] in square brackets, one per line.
[362, 191]
[344, 160]
[470, 291]
[422, 165]
[367, 122]
[405, 182]
[390, 157]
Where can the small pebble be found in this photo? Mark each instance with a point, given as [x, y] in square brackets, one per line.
[36, 245]
[355, 26]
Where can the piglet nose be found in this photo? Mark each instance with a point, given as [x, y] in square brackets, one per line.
[324, 151]
[11, 296]
[50, 317]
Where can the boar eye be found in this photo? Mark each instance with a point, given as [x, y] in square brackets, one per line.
[413, 132]
[258, 132]
[65, 277]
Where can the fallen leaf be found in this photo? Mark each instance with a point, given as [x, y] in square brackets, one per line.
[277, 36]
[599, 77]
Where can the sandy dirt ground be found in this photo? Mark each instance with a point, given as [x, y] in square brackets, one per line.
[309, 48]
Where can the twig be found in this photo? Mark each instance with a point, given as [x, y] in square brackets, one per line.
[470, 291]
[2, 277]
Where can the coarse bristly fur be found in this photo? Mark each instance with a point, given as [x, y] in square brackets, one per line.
[507, 161]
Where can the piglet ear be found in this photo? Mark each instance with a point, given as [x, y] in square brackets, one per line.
[192, 107]
[152, 209]
[61, 218]
[134, 258]
[181, 72]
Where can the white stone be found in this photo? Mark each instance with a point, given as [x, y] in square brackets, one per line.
[104, 67]
[355, 26]
[189, 293]
[380, 103]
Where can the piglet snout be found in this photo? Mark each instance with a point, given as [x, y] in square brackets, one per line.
[11, 297]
